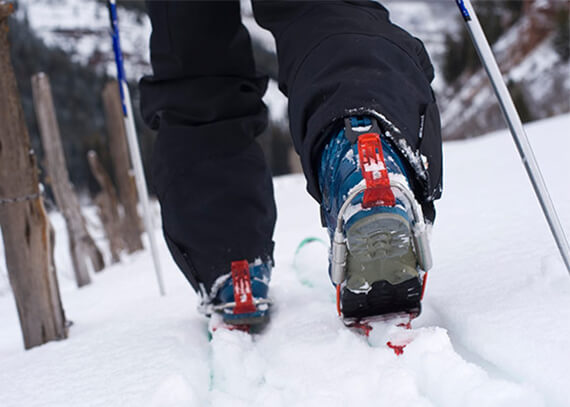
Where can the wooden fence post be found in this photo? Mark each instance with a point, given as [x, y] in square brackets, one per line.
[108, 205]
[81, 243]
[25, 225]
[131, 221]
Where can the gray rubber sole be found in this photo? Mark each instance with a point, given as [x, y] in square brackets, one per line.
[380, 249]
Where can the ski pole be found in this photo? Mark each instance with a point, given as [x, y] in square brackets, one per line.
[515, 125]
[133, 143]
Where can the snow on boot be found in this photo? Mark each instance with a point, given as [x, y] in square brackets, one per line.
[241, 295]
[375, 263]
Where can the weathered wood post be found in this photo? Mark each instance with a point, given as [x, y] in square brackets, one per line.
[81, 243]
[25, 225]
[108, 205]
[131, 222]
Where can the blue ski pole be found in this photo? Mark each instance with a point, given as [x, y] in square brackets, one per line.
[133, 143]
[515, 125]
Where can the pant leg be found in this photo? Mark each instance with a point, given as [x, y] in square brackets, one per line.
[204, 98]
[339, 58]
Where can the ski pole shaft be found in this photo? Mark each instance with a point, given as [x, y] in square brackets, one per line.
[515, 125]
[132, 142]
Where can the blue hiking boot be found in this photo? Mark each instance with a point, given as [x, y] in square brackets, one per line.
[241, 296]
[379, 244]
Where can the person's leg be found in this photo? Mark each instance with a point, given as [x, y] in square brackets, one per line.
[204, 98]
[345, 68]
[342, 58]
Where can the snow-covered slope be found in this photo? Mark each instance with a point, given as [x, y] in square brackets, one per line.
[494, 331]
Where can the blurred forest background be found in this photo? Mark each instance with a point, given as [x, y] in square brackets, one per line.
[69, 40]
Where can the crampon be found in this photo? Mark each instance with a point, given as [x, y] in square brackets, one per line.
[248, 310]
[400, 323]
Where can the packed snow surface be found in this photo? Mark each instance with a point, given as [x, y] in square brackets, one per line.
[494, 331]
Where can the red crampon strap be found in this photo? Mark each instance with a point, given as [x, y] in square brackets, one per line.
[242, 288]
[373, 167]
[424, 285]
[338, 310]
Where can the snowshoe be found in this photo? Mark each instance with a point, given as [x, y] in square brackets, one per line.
[380, 251]
[240, 297]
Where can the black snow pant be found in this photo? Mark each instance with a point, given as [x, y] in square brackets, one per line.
[336, 58]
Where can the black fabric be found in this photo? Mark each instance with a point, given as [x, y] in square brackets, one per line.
[210, 175]
[343, 57]
[336, 58]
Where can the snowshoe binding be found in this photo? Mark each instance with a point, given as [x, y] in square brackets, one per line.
[380, 251]
[240, 297]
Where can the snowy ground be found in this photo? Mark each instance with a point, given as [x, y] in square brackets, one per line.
[494, 332]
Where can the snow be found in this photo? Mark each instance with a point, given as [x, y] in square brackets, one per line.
[494, 330]
[263, 36]
[276, 103]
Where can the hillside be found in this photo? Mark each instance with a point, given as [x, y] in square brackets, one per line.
[535, 70]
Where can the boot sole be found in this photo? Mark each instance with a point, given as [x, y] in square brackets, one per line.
[258, 317]
[382, 275]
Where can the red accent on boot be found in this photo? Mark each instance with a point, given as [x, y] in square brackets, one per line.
[338, 300]
[424, 285]
[361, 326]
[242, 288]
[373, 168]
